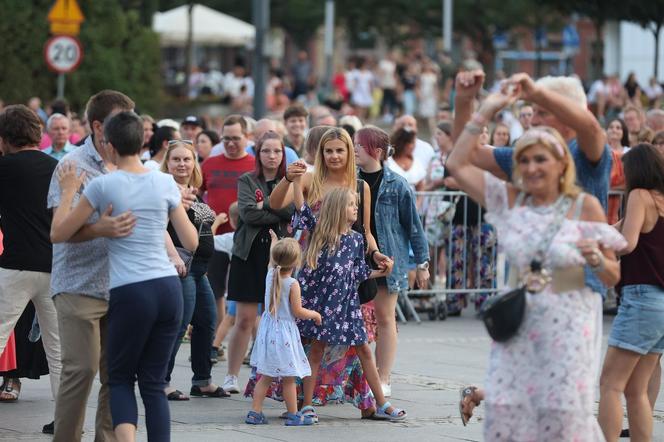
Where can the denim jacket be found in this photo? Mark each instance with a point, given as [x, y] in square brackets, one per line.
[396, 201]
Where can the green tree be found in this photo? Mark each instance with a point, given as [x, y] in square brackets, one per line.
[24, 73]
[119, 53]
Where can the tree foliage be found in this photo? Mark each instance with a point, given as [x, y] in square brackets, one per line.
[119, 53]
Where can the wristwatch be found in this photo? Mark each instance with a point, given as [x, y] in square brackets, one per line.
[423, 266]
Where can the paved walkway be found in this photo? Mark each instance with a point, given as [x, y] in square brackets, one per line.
[435, 359]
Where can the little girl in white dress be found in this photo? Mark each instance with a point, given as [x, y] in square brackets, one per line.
[278, 351]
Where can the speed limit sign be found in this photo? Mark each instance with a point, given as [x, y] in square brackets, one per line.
[63, 53]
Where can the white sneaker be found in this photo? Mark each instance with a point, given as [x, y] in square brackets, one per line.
[387, 390]
[231, 384]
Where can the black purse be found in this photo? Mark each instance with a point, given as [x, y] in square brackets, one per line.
[368, 289]
[187, 256]
[503, 314]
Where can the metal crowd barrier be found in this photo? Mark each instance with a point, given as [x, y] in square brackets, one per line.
[465, 264]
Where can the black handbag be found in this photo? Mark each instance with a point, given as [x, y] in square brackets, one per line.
[187, 256]
[503, 314]
[368, 289]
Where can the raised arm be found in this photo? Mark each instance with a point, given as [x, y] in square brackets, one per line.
[470, 177]
[282, 194]
[589, 133]
[467, 86]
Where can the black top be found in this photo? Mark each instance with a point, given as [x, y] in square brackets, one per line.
[373, 179]
[25, 221]
[474, 212]
[644, 264]
[196, 214]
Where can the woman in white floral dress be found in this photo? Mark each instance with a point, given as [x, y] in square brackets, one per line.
[541, 383]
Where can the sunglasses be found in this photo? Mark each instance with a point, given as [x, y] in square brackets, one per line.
[173, 142]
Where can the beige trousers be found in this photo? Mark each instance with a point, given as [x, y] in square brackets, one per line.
[82, 321]
[17, 288]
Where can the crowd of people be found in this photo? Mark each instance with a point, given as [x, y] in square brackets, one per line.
[299, 231]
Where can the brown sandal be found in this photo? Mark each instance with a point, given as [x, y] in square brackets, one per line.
[467, 393]
[10, 391]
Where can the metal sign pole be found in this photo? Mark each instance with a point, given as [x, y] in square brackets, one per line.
[261, 19]
[61, 86]
[329, 45]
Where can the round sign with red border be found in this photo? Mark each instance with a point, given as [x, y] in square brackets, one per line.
[63, 53]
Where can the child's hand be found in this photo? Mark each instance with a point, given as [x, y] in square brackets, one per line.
[273, 237]
[380, 260]
[69, 179]
[386, 266]
[317, 318]
[259, 198]
[222, 218]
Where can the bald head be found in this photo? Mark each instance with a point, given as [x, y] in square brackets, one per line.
[406, 121]
[264, 125]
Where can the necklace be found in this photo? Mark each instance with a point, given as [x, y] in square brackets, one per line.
[379, 178]
[544, 209]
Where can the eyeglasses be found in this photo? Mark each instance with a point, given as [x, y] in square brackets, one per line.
[172, 142]
[233, 139]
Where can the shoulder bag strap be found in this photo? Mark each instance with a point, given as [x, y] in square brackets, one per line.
[360, 208]
[562, 208]
[578, 208]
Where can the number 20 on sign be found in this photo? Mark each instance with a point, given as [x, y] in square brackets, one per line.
[63, 53]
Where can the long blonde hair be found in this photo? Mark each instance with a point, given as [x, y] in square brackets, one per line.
[332, 223]
[320, 169]
[196, 179]
[552, 141]
[285, 256]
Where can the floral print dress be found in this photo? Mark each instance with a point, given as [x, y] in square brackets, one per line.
[331, 288]
[541, 383]
[340, 376]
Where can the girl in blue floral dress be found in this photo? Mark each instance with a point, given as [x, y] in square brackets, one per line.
[333, 268]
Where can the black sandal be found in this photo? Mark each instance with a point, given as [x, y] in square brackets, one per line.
[219, 392]
[176, 395]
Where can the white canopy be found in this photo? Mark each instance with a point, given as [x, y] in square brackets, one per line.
[210, 27]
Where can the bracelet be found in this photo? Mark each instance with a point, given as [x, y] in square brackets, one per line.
[372, 253]
[479, 119]
[286, 178]
[473, 129]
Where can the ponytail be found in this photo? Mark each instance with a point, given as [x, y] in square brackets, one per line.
[275, 293]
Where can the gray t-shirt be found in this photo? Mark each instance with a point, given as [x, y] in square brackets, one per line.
[150, 197]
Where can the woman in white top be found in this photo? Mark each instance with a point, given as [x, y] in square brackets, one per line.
[145, 306]
[362, 95]
[402, 160]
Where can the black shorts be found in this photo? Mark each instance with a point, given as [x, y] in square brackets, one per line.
[218, 273]
[246, 280]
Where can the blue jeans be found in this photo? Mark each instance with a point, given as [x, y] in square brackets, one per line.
[143, 320]
[200, 311]
[639, 325]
